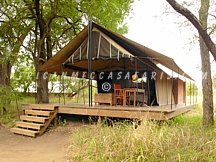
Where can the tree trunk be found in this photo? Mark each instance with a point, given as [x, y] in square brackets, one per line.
[42, 78]
[208, 109]
[5, 72]
[42, 88]
[206, 45]
[193, 19]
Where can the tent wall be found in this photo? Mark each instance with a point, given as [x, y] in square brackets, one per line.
[117, 77]
[101, 81]
[102, 47]
[163, 84]
[179, 91]
[125, 80]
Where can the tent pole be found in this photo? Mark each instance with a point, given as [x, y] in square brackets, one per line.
[149, 101]
[59, 88]
[177, 91]
[185, 92]
[124, 71]
[196, 94]
[63, 90]
[83, 93]
[137, 81]
[193, 93]
[78, 91]
[167, 90]
[190, 92]
[172, 82]
[90, 60]
[36, 88]
[157, 91]
[63, 84]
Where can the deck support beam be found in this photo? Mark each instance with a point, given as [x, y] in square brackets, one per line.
[150, 113]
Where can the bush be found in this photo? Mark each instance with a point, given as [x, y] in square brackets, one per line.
[9, 108]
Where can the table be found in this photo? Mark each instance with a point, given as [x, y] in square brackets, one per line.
[133, 90]
[129, 90]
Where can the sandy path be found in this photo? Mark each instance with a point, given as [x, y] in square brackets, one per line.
[50, 147]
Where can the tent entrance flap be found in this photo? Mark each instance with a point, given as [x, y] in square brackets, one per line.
[163, 85]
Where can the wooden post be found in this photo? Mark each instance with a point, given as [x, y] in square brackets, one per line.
[55, 121]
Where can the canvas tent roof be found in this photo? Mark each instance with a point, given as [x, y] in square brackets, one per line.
[111, 51]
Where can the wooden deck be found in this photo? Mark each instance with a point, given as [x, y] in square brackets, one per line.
[154, 112]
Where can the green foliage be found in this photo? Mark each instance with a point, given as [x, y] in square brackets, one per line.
[191, 89]
[5, 99]
[110, 13]
[62, 123]
[8, 104]
[8, 95]
[34, 31]
[14, 28]
[65, 19]
[23, 77]
[181, 139]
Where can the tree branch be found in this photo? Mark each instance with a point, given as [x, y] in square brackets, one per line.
[212, 15]
[66, 19]
[36, 42]
[193, 19]
[66, 29]
[31, 10]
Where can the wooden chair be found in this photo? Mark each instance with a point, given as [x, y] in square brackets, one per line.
[127, 94]
[118, 94]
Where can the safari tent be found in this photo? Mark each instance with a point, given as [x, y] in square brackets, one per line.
[100, 54]
[97, 53]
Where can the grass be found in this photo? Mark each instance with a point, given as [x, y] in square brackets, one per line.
[8, 118]
[181, 139]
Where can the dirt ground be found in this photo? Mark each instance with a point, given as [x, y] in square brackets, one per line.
[50, 147]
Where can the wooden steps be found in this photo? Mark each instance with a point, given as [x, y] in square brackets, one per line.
[33, 118]
[26, 132]
[42, 107]
[36, 119]
[29, 125]
[38, 112]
